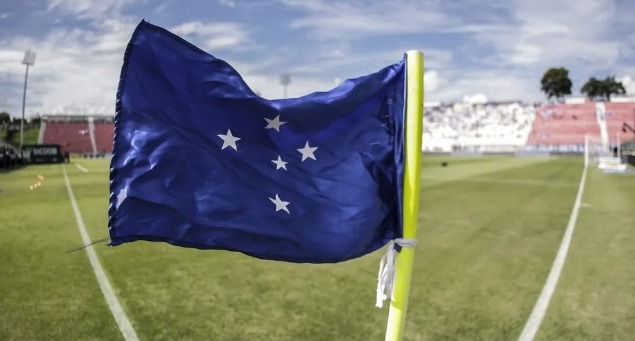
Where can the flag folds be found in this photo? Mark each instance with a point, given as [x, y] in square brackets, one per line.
[201, 161]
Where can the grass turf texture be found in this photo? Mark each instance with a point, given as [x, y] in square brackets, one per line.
[489, 230]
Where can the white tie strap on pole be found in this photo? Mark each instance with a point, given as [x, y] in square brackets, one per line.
[386, 275]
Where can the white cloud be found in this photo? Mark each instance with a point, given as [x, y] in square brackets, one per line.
[570, 32]
[214, 36]
[268, 86]
[498, 49]
[340, 49]
[74, 68]
[228, 3]
[161, 8]
[431, 81]
[77, 70]
[9, 58]
[89, 9]
[369, 62]
[629, 84]
[526, 36]
[495, 85]
[348, 64]
[329, 20]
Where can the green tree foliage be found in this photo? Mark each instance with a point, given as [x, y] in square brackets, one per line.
[556, 83]
[5, 118]
[602, 89]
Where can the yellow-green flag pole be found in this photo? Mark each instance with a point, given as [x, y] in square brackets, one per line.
[414, 130]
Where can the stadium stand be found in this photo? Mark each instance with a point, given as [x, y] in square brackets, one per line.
[504, 127]
[518, 127]
[104, 132]
[487, 127]
[562, 127]
[86, 135]
[72, 136]
[616, 115]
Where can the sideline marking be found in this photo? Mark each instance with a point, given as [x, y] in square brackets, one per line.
[124, 324]
[81, 168]
[538, 313]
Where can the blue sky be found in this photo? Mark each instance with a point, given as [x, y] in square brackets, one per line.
[496, 48]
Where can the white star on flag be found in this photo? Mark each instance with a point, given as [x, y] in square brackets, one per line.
[280, 205]
[307, 151]
[274, 123]
[229, 140]
[280, 164]
[123, 194]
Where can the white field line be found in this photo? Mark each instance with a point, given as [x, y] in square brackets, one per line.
[124, 324]
[538, 313]
[81, 168]
[499, 181]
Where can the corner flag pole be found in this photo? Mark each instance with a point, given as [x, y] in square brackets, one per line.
[414, 130]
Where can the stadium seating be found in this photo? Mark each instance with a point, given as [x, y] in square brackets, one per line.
[104, 132]
[72, 136]
[457, 127]
[463, 124]
[616, 115]
[563, 124]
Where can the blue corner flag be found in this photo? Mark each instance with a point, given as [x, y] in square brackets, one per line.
[201, 161]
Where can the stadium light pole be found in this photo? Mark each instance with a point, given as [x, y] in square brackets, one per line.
[285, 80]
[29, 60]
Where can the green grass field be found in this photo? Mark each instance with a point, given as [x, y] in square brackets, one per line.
[489, 229]
[30, 136]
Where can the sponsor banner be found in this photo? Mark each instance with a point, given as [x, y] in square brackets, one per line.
[43, 153]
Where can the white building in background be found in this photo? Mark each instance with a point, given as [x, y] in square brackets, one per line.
[623, 99]
[629, 85]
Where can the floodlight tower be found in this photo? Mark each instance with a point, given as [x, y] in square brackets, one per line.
[285, 80]
[29, 60]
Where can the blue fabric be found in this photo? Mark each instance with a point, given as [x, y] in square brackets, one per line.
[172, 180]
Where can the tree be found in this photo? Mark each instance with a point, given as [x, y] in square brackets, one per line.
[602, 89]
[5, 118]
[593, 88]
[613, 87]
[556, 83]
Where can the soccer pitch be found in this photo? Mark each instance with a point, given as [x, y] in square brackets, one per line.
[489, 230]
